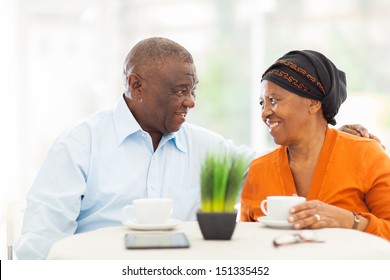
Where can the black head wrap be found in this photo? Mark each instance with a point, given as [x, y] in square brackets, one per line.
[310, 74]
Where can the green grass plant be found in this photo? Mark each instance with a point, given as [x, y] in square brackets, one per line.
[221, 179]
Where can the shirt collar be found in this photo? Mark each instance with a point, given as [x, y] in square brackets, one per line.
[126, 124]
[124, 121]
[178, 138]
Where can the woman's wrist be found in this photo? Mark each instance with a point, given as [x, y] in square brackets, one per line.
[356, 220]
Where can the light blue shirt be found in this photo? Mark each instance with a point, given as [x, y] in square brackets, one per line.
[93, 170]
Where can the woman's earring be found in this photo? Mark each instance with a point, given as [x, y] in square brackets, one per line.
[140, 100]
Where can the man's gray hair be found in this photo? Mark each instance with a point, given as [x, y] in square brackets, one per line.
[153, 51]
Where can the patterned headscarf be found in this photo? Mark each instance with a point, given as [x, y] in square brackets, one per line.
[310, 74]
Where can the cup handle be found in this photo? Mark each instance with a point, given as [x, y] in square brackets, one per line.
[263, 207]
[128, 212]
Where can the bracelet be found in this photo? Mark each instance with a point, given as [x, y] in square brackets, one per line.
[356, 220]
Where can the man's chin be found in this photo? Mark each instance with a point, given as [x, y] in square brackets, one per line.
[174, 129]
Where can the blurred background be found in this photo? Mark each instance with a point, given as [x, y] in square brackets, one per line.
[62, 60]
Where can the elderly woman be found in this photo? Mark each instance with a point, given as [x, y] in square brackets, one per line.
[345, 179]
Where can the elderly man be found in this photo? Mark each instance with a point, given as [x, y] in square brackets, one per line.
[140, 148]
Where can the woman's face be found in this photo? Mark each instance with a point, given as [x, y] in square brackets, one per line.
[285, 113]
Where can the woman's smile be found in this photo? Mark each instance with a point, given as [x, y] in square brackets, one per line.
[272, 125]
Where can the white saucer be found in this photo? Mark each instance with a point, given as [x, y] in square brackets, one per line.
[133, 224]
[274, 223]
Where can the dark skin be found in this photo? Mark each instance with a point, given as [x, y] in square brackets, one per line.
[161, 98]
[285, 114]
[359, 130]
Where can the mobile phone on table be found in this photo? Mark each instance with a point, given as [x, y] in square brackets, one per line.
[156, 240]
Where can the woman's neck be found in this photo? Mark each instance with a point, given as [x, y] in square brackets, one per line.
[308, 150]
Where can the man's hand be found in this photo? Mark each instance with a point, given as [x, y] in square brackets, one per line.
[359, 130]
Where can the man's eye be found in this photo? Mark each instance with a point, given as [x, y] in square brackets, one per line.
[181, 92]
[261, 103]
[273, 101]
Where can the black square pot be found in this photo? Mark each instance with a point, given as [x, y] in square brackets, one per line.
[217, 225]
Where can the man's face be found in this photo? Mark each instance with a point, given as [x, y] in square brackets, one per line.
[167, 95]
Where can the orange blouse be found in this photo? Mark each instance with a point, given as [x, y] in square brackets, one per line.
[352, 173]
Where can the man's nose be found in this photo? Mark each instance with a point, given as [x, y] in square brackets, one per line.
[189, 101]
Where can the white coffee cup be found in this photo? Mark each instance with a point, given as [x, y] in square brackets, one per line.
[149, 210]
[278, 207]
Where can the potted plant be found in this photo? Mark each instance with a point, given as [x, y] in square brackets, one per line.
[221, 179]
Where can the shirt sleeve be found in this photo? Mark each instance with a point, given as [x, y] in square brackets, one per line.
[378, 195]
[249, 199]
[54, 199]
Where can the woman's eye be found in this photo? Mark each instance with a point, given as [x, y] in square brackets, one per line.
[272, 100]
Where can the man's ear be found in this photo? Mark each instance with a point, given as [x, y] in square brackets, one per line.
[315, 106]
[135, 84]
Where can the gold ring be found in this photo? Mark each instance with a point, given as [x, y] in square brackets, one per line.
[318, 217]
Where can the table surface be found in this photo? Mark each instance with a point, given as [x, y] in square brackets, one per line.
[250, 241]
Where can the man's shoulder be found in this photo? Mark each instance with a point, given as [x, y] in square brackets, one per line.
[193, 130]
[89, 124]
[198, 138]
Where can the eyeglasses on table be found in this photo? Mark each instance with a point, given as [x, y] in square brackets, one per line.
[294, 238]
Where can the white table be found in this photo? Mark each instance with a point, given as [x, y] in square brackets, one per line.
[250, 241]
